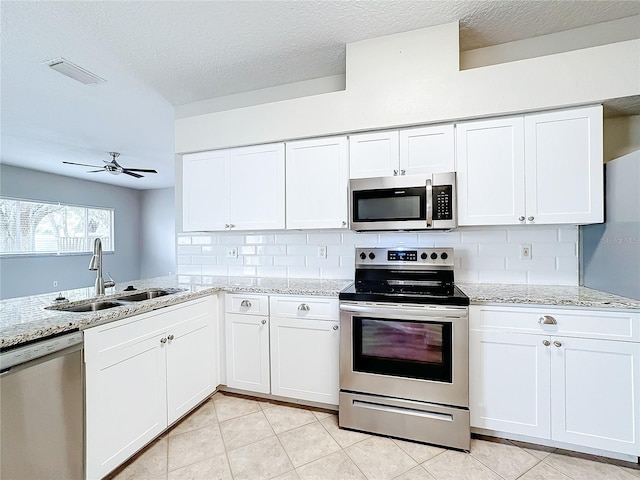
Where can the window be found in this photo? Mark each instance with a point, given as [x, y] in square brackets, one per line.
[28, 227]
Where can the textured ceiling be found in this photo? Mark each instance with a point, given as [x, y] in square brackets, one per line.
[157, 54]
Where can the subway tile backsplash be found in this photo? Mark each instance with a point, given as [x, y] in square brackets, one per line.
[482, 254]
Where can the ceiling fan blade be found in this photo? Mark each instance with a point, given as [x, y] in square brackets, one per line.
[148, 170]
[127, 172]
[96, 171]
[83, 164]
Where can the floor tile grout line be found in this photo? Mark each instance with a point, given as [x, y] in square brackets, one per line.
[497, 473]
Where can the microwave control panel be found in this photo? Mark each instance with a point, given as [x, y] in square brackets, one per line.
[442, 202]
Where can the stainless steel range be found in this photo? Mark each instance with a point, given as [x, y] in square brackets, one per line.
[404, 347]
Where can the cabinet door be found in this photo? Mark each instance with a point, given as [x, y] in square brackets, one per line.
[317, 183]
[247, 352]
[427, 150]
[564, 167]
[191, 361]
[374, 154]
[256, 183]
[126, 403]
[509, 383]
[304, 359]
[490, 171]
[205, 191]
[594, 393]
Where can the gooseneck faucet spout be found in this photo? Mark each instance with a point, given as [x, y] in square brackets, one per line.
[96, 264]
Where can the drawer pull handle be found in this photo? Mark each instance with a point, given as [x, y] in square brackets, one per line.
[530, 219]
[263, 322]
[557, 344]
[335, 327]
[521, 218]
[303, 307]
[163, 340]
[171, 337]
[547, 320]
[245, 303]
[546, 343]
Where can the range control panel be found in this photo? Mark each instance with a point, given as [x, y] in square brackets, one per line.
[404, 256]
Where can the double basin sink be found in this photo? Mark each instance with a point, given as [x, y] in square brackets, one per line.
[101, 304]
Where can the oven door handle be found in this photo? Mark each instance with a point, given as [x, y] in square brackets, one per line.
[407, 310]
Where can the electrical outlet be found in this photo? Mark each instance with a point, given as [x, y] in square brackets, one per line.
[232, 252]
[322, 252]
[525, 252]
[55, 283]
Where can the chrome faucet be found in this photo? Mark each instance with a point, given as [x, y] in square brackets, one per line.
[96, 264]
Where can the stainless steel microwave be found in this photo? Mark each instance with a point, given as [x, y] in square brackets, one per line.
[405, 202]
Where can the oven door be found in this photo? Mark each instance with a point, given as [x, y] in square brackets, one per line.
[415, 352]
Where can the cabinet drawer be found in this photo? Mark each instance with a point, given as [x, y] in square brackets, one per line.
[579, 322]
[319, 308]
[247, 304]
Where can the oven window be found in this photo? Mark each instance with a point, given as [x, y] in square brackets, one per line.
[389, 204]
[403, 348]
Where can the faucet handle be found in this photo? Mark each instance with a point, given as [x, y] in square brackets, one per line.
[111, 282]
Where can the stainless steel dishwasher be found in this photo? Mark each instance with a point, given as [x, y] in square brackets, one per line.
[42, 410]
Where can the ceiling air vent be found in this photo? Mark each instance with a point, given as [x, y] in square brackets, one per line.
[71, 70]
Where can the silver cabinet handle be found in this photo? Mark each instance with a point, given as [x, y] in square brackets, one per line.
[231, 225]
[245, 303]
[557, 343]
[226, 225]
[402, 172]
[163, 340]
[303, 307]
[171, 337]
[263, 322]
[521, 218]
[547, 320]
[335, 327]
[530, 219]
[395, 172]
[546, 343]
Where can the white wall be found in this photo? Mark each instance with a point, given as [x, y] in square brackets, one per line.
[414, 78]
[621, 136]
[485, 255]
[158, 239]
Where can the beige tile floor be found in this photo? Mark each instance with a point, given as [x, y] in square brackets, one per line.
[236, 437]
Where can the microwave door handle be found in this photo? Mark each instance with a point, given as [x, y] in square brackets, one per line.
[429, 203]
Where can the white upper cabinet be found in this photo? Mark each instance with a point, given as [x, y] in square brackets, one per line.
[374, 154]
[490, 174]
[535, 169]
[204, 185]
[256, 183]
[564, 168]
[317, 183]
[427, 149]
[409, 151]
[236, 189]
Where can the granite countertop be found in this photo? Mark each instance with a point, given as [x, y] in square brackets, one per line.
[559, 295]
[25, 319]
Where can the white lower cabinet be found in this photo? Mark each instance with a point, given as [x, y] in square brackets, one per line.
[551, 381]
[283, 345]
[142, 373]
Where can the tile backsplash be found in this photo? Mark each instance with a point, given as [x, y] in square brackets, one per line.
[482, 254]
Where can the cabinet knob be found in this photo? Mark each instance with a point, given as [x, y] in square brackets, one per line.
[344, 224]
[402, 172]
[521, 218]
[547, 320]
[226, 225]
[335, 327]
[557, 343]
[245, 303]
[303, 307]
[546, 343]
[171, 337]
[395, 172]
[231, 225]
[163, 340]
[263, 322]
[530, 219]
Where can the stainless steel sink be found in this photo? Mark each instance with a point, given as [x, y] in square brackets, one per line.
[90, 307]
[139, 297]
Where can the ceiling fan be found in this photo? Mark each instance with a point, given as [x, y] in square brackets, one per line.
[114, 167]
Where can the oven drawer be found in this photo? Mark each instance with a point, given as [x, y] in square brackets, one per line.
[318, 308]
[246, 304]
[419, 421]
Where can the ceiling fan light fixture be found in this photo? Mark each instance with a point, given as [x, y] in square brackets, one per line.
[71, 70]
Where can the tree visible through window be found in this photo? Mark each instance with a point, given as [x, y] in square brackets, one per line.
[28, 227]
